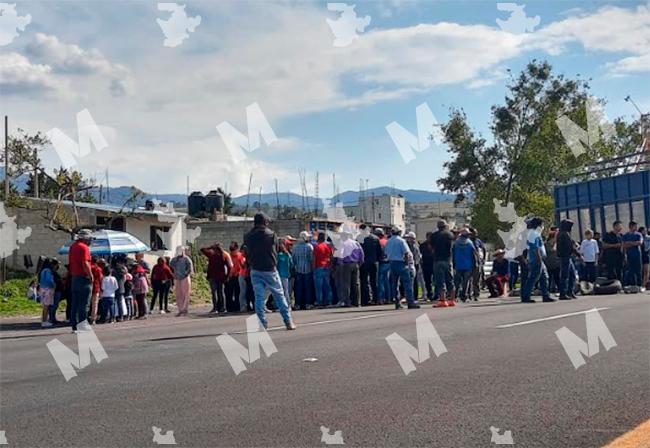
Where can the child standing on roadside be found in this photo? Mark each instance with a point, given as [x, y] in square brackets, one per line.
[109, 286]
[589, 250]
[128, 296]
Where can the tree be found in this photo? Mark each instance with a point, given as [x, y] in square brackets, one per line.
[527, 155]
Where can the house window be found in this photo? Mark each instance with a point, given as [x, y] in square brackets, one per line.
[379, 215]
[111, 223]
[156, 237]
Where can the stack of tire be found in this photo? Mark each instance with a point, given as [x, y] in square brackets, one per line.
[605, 286]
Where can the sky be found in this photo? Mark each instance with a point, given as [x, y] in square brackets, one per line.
[328, 98]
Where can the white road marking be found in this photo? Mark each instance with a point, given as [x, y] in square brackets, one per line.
[559, 316]
[321, 322]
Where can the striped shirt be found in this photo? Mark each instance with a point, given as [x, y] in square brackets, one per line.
[303, 255]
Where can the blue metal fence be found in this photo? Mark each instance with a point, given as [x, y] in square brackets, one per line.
[595, 204]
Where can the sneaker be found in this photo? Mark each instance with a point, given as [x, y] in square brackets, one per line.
[528, 301]
[398, 306]
[440, 304]
[46, 324]
[290, 325]
[162, 312]
[451, 303]
[84, 326]
[564, 298]
[413, 306]
[548, 299]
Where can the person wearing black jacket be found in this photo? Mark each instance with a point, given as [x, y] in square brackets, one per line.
[427, 265]
[565, 249]
[261, 245]
[372, 253]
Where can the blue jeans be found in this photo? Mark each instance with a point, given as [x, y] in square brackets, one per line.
[443, 278]
[399, 270]
[383, 281]
[55, 306]
[322, 284]
[107, 309]
[633, 272]
[513, 270]
[567, 277]
[302, 288]
[81, 291]
[263, 280]
[536, 272]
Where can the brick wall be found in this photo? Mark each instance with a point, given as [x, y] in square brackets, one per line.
[43, 240]
[226, 231]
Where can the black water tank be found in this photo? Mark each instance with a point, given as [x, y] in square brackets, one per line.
[213, 201]
[196, 204]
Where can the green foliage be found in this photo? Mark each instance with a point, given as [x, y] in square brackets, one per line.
[528, 154]
[13, 298]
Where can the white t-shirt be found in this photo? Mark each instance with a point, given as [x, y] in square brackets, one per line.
[109, 286]
[589, 250]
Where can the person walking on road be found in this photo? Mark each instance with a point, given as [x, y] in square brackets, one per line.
[183, 268]
[262, 258]
[82, 280]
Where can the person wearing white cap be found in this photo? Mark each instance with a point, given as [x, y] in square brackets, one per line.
[303, 261]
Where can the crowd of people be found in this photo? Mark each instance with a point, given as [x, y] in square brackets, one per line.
[98, 291]
[320, 269]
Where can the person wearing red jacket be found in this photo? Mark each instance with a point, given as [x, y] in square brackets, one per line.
[161, 277]
[97, 268]
[232, 284]
[219, 264]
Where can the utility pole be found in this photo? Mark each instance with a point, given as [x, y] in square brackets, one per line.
[277, 200]
[6, 158]
[248, 194]
[108, 189]
[35, 183]
[259, 200]
[333, 189]
[316, 195]
[362, 200]
[3, 271]
[188, 185]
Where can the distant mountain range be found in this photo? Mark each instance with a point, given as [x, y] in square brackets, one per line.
[119, 195]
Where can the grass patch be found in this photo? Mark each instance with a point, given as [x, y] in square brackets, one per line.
[14, 301]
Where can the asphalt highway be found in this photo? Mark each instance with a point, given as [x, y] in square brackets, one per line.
[171, 373]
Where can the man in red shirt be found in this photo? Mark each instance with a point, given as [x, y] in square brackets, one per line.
[82, 280]
[219, 264]
[323, 254]
[97, 268]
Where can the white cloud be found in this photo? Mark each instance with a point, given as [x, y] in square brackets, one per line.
[18, 76]
[611, 29]
[74, 60]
